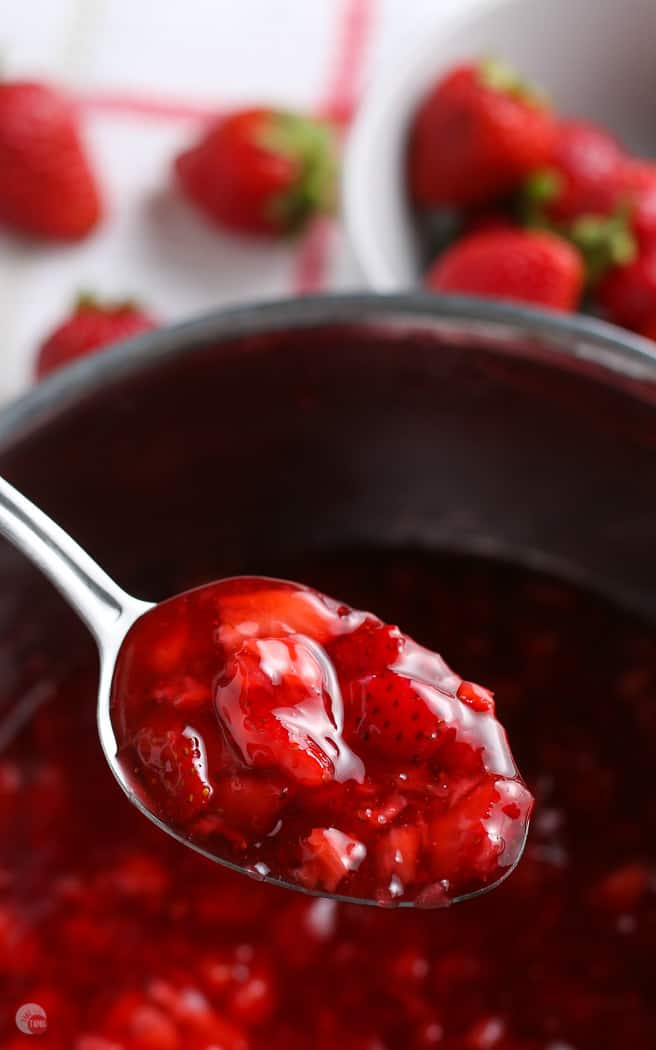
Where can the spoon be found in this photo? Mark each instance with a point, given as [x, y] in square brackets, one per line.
[110, 613]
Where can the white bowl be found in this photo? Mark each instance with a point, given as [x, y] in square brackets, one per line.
[594, 57]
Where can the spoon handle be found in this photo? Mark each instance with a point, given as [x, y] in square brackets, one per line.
[106, 609]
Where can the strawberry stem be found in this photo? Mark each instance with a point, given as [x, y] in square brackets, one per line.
[501, 76]
[604, 242]
[312, 144]
[86, 300]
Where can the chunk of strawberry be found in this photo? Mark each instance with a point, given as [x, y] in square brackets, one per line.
[477, 696]
[622, 889]
[250, 802]
[164, 639]
[398, 852]
[151, 1029]
[202, 1025]
[139, 876]
[275, 704]
[255, 997]
[488, 1033]
[368, 650]
[329, 856]
[469, 840]
[395, 715]
[173, 763]
[251, 607]
[184, 692]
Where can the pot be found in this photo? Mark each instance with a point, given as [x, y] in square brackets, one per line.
[267, 437]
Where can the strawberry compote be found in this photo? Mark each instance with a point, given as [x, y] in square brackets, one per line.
[127, 940]
[316, 745]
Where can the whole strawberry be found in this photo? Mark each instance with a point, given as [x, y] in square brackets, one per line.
[649, 328]
[638, 184]
[476, 136]
[524, 265]
[261, 171]
[91, 326]
[628, 293]
[616, 240]
[584, 175]
[47, 187]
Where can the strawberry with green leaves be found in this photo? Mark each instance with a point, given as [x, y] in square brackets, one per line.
[585, 194]
[584, 175]
[261, 171]
[476, 136]
[92, 325]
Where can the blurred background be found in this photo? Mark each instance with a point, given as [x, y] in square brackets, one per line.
[145, 73]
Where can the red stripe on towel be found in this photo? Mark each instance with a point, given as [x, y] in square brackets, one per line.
[338, 104]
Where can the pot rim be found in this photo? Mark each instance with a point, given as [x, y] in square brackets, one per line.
[575, 337]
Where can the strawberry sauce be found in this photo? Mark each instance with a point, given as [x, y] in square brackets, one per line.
[317, 745]
[126, 940]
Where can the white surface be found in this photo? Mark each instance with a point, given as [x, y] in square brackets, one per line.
[152, 245]
[595, 58]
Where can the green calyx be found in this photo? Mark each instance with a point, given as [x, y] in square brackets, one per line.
[313, 145]
[86, 300]
[500, 76]
[539, 189]
[604, 242]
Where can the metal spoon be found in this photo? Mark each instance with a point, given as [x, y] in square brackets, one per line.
[110, 612]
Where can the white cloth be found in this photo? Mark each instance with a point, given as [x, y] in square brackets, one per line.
[152, 245]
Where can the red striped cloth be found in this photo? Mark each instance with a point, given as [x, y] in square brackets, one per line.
[152, 246]
[354, 25]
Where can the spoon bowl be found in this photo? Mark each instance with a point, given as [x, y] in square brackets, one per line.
[111, 614]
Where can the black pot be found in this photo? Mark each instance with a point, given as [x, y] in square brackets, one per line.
[219, 446]
[246, 440]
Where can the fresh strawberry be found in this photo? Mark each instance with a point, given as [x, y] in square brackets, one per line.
[628, 293]
[649, 328]
[476, 136]
[172, 758]
[91, 326]
[639, 192]
[271, 701]
[47, 188]
[525, 265]
[261, 171]
[584, 175]
[601, 200]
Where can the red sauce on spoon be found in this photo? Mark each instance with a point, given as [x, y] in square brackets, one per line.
[316, 745]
